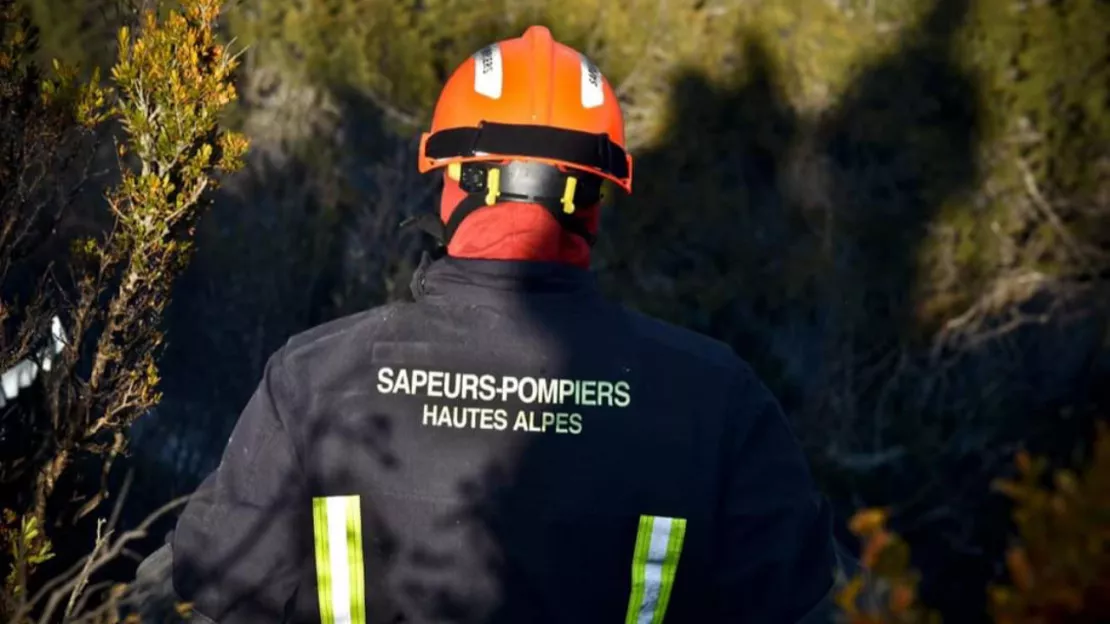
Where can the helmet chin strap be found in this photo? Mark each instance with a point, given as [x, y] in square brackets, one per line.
[516, 181]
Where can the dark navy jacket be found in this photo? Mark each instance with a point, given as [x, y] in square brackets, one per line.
[510, 447]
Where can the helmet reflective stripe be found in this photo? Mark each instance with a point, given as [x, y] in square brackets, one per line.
[488, 71]
[654, 564]
[340, 576]
[592, 93]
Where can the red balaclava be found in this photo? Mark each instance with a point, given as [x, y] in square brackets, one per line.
[515, 231]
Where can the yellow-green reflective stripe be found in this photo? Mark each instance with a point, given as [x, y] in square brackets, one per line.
[337, 527]
[654, 564]
[323, 567]
[354, 560]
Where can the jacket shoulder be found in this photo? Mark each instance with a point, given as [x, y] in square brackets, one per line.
[358, 328]
[685, 343]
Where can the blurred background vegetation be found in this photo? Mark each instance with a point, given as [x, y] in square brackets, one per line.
[898, 211]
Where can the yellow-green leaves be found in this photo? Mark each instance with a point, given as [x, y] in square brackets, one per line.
[84, 100]
[174, 79]
[26, 547]
[169, 87]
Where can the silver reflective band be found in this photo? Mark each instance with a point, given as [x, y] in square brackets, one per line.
[593, 94]
[654, 565]
[24, 372]
[488, 72]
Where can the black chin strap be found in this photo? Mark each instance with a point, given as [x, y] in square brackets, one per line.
[558, 192]
[429, 224]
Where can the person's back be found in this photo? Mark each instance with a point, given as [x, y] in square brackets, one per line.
[511, 446]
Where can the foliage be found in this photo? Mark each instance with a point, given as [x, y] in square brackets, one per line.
[171, 80]
[72, 597]
[78, 32]
[885, 591]
[44, 127]
[1058, 567]
[27, 548]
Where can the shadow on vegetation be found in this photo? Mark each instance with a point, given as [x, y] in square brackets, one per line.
[790, 236]
[722, 233]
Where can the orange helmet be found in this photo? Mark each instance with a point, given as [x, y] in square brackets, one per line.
[528, 113]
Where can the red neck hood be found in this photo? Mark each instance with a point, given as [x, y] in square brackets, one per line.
[514, 231]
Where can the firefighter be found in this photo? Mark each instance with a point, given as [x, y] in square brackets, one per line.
[510, 446]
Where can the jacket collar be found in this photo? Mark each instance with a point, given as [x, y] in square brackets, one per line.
[465, 277]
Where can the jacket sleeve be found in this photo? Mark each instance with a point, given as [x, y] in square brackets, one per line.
[777, 558]
[238, 548]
